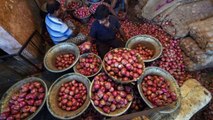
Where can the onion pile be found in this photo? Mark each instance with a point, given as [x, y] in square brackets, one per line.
[72, 95]
[85, 47]
[94, 49]
[82, 12]
[24, 103]
[93, 7]
[74, 5]
[62, 2]
[157, 90]
[137, 103]
[144, 52]
[123, 64]
[64, 61]
[172, 61]
[88, 65]
[171, 55]
[108, 95]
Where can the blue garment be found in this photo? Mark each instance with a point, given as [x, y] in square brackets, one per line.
[57, 30]
[120, 5]
[105, 34]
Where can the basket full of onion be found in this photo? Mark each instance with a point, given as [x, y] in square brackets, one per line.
[91, 2]
[123, 65]
[68, 96]
[74, 4]
[23, 100]
[89, 65]
[158, 88]
[148, 47]
[82, 14]
[108, 97]
[93, 7]
[61, 57]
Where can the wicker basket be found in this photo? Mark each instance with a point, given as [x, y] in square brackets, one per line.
[82, 20]
[62, 48]
[168, 77]
[52, 103]
[117, 112]
[84, 55]
[120, 81]
[16, 87]
[149, 42]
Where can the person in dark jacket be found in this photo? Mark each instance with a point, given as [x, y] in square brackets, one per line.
[104, 29]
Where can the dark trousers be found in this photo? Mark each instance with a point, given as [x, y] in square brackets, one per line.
[104, 47]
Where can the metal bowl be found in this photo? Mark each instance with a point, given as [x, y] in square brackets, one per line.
[93, 12]
[52, 101]
[85, 55]
[118, 80]
[147, 41]
[168, 77]
[83, 20]
[62, 48]
[111, 114]
[15, 88]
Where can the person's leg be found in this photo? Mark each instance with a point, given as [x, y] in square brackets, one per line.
[116, 10]
[102, 49]
[122, 5]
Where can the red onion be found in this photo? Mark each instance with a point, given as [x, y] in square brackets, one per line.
[73, 5]
[64, 60]
[88, 64]
[158, 93]
[110, 96]
[24, 101]
[172, 59]
[71, 95]
[120, 64]
[82, 12]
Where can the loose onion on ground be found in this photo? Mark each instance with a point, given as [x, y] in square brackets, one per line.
[82, 12]
[108, 95]
[85, 47]
[72, 95]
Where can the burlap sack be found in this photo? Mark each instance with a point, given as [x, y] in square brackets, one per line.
[202, 33]
[194, 98]
[175, 21]
[192, 66]
[192, 50]
[155, 7]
